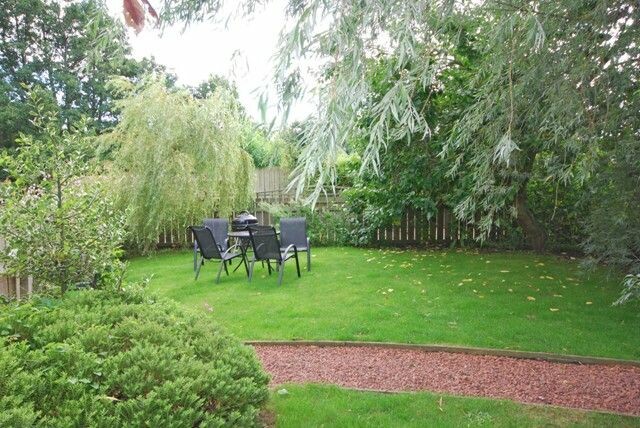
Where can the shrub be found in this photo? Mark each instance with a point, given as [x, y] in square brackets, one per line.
[325, 227]
[104, 358]
[58, 224]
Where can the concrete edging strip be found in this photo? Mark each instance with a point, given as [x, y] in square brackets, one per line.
[544, 356]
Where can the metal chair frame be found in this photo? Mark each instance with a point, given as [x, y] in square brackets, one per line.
[293, 230]
[211, 251]
[262, 252]
[216, 225]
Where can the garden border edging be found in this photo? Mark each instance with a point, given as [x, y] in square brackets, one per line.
[529, 355]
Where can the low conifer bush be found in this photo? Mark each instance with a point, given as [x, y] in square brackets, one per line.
[112, 359]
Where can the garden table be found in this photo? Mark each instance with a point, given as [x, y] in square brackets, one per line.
[243, 235]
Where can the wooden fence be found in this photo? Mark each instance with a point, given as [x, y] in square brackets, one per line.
[413, 228]
[15, 287]
[271, 179]
[12, 286]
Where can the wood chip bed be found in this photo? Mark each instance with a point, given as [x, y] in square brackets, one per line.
[612, 388]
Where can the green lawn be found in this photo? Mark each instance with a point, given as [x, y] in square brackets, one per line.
[316, 406]
[498, 300]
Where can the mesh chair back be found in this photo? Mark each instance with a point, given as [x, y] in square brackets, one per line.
[220, 228]
[265, 243]
[293, 230]
[206, 242]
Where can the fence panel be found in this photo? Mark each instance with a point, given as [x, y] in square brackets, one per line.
[271, 179]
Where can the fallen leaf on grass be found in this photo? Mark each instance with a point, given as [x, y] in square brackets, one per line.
[554, 309]
[531, 298]
[107, 397]
[504, 271]
[589, 303]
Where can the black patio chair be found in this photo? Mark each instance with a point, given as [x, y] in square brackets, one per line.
[210, 250]
[266, 247]
[220, 228]
[293, 231]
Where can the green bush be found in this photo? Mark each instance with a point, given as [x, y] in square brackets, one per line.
[324, 227]
[58, 223]
[112, 359]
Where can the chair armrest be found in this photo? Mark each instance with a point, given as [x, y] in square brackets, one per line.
[286, 251]
[231, 248]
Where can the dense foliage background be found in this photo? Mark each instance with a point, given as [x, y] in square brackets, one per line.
[68, 48]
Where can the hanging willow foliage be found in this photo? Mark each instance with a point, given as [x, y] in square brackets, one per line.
[179, 159]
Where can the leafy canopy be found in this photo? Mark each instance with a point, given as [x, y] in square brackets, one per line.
[69, 48]
[546, 71]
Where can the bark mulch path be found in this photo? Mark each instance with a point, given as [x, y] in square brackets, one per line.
[591, 387]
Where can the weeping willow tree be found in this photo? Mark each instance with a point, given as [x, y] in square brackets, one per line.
[178, 160]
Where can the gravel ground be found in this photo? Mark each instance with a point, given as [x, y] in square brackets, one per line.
[592, 387]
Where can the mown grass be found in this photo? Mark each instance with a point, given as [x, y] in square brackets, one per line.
[329, 406]
[498, 300]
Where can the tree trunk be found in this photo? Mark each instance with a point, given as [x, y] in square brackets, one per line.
[533, 230]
